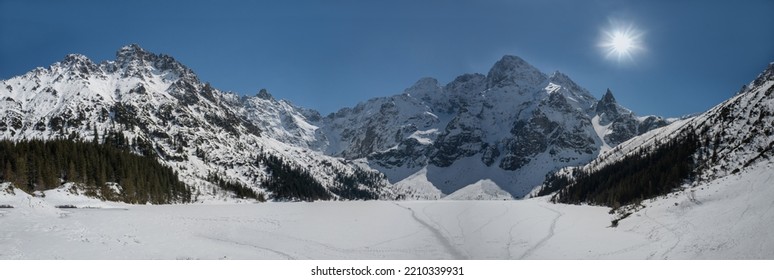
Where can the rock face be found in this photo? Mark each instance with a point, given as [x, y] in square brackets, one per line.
[511, 126]
[621, 122]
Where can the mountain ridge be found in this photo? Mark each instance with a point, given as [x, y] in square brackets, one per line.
[436, 134]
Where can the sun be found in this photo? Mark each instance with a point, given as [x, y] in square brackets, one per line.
[622, 42]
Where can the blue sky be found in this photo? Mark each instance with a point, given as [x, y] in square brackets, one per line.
[329, 54]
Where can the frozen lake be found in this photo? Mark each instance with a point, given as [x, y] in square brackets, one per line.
[727, 219]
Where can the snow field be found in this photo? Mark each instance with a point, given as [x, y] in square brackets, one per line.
[725, 219]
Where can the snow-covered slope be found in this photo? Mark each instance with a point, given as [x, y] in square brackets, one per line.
[511, 127]
[162, 108]
[282, 121]
[728, 138]
[481, 190]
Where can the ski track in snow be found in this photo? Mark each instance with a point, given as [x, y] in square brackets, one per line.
[445, 242]
[308, 243]
[750, 190]
[285, 255]
[509, 244]
[671, 231]
[548, 236]
[622, 251]
[393, 239]
[492, 219]
[459, 221]
[462, 236]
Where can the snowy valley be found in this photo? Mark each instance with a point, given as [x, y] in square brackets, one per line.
[514, 164]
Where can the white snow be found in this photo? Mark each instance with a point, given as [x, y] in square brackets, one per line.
[67, 195]
[425, 137]
[417, 186]
[435, 182]
[601, 131]
[724, 219]
[551, 88]
[482, 190]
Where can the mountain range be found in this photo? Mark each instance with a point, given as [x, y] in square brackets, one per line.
[501, 131]
[493, 136]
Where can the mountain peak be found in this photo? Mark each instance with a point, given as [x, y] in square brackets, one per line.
[134, 58]
[424, 85]
[559, 76]
[131, 52]
[511, 63]
[79, 63]
[509, 58]
[562, 79]
[76, 58]
[264, 94]
[608, 97]
[607, 105]
[134, 47]
[512, 70]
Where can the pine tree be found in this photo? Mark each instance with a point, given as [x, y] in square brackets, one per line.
[8, 174]
[96, 136]
[71, 174]
[22, 180]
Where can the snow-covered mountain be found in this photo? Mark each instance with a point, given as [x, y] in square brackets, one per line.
[510, 127]
[725, 140]
[479, 134]
[163, 109]
[616, 124]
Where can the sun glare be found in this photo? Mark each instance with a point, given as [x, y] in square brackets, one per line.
[622, 42]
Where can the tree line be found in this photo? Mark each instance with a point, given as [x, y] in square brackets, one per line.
[37, 165]
[350, 186]
[239, 189]
[646, 174]
[288, 182]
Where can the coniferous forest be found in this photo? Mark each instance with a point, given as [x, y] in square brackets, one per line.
[640, 176]
[36, 165]
[288, 182]
[239, 189]
[347, 186]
